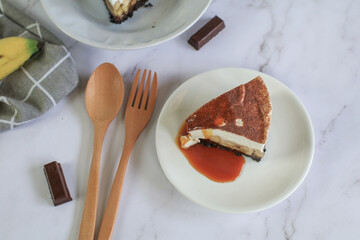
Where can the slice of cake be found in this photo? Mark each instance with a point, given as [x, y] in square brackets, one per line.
[238, 120]
[120, 10]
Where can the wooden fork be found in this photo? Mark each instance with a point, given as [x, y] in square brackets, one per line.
[138, 111]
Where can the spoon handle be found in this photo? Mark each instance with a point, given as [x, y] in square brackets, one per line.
[88, 220]
[107, 224]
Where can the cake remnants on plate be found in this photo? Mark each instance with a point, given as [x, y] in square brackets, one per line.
[121, 10]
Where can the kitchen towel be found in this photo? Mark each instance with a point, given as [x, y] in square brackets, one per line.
[42, 81]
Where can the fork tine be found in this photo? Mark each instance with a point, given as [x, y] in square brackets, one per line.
[133, 89]
[140, 91]
[153, 93]
[146, 92]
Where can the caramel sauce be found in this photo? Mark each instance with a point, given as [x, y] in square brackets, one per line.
[216, 164]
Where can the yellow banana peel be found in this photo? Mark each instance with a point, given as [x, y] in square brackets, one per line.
[14, 52]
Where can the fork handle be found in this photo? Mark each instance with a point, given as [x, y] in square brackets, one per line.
[108, 221]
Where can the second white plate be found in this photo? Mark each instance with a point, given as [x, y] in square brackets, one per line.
[88, 22]
[290, 146]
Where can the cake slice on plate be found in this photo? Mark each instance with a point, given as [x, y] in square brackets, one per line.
[120, 10]
[237, 120]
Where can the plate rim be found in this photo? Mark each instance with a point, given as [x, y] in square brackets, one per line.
[151, 43]
[276, 201]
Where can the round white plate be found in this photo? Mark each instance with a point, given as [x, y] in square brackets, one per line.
[88, 22]
[289, 149]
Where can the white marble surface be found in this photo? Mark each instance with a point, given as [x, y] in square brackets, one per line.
[313, 47]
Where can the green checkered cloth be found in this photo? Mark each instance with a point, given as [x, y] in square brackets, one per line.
[42, 81]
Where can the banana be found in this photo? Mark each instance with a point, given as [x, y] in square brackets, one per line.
[14, 52]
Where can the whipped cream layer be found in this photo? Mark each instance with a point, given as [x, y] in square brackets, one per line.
[218, 136]
[112, 2]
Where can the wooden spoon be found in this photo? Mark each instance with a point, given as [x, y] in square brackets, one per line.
[103, 98]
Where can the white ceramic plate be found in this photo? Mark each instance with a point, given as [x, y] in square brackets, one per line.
[88, 22]
[290, 146]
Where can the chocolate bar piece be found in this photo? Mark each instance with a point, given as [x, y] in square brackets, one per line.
[57, 185]
[207, 32]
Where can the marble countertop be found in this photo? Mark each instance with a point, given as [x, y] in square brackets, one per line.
[313, 47]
